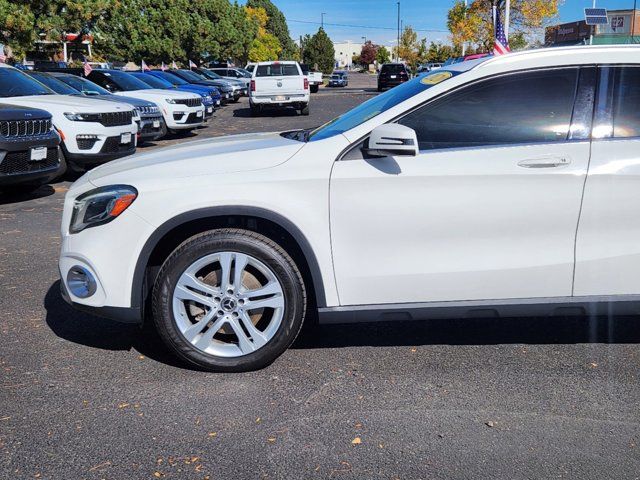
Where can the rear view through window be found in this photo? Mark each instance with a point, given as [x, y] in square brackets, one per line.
[277, 70]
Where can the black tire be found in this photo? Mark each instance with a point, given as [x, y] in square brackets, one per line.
[236, 240]
[314, 88]
[305, 110]
[63, 166]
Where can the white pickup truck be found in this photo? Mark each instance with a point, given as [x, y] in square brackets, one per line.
[315, 78]
[279, 85]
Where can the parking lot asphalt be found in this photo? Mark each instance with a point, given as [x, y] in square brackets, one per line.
[87, 398]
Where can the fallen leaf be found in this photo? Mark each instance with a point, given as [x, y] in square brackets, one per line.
[158, 474]
[414, 350]
[140, 357]
[356, 441]
[358, 425]
[593, 364]
[258, 420]
[123, 405]
[489, 424]
[271, 439]
[213, 434]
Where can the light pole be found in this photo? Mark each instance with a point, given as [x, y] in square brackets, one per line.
[322, 20]
[593, 27]
[464, 44]
[365, 39]
[398, 44]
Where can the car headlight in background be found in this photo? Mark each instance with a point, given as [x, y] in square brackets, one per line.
[170, 100]
[207, 98]
[82, 117]
[100, 206]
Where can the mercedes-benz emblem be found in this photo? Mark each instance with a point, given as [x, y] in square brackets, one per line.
[279, 83]
[228, 304]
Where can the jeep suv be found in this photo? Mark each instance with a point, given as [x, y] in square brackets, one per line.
[392, 75]
[28, 148]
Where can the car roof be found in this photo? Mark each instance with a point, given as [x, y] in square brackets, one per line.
[284, 62]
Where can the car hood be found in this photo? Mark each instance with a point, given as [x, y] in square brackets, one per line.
[237, 153]
[67, 102]
[154, 93]
[136, 102]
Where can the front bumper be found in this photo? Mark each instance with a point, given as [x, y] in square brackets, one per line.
[111, 149]
[16, 166]
[150, 128]
[119, 314]
[181, 117]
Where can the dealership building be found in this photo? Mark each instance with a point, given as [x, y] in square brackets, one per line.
[344, 53]
[623, 26]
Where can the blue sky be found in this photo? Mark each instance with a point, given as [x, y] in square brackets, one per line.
[426, 15]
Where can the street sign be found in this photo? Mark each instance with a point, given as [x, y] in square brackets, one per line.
[596, 16]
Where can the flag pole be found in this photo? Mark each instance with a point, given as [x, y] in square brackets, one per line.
[507, 13]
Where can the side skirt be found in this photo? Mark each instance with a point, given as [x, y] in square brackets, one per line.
[517, 307]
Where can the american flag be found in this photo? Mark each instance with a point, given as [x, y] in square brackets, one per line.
[192, 65]
[86, 67]
[173, 65]
[3, 57]
[163, 67]
[501, 46]
[144, 67]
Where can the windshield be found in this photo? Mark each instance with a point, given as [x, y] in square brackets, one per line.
[14, 83]
[376, 105]
[171, 78]
[153, 81]
[277, 70]
[211, 75]
[53, 83]
[189, 75]
[243, 72]
[83, 85]
[126, 81]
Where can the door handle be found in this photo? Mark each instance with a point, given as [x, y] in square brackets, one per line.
[544, 162]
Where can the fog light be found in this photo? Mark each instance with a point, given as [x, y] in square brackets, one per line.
[81, 282]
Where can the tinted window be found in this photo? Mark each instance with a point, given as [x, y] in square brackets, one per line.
[14, 83]
[211, 75]
[190, 76]
[392, 68]
[171, 78]
[277, 70]
[123, 80]
[526, 107]
[153, 81]
[626, 102]
[380, 103]
[83, 85]
[54, 84]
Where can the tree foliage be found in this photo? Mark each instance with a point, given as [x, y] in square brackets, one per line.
[368, 53]
[408, 48]
[319, 51]
[277, 25]
[383, 55]
[265, 46]
[473, 24]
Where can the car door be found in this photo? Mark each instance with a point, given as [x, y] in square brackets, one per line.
[608, 241]
[489, 207]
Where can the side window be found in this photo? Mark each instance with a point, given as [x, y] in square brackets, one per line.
[527, 107]
[626, 102]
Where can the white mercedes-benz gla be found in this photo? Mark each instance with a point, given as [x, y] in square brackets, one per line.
[504, 186]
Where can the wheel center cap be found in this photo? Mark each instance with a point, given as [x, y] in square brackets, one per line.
[228, 304]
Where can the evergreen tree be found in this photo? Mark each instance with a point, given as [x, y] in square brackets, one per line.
[319, 51]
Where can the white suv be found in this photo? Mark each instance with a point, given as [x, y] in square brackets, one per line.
[502, 186]
[181, 111]
[92, 131]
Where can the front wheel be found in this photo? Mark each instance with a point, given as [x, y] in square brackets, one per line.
[229, 300]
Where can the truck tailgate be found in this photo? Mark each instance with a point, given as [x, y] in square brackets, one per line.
[285, 85]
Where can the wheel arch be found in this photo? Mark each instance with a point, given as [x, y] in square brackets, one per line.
[174, 231]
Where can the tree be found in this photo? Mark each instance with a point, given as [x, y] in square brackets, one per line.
[473, 23]
[24, 22]
[368, 53]
[277, 25]
[439, 53]
[319, 51]
[383, 55]
[408, 48]
[265, 46]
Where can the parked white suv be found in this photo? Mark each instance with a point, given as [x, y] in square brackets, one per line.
[278, 85]
[180, 110]
[503, 186]
[92, 131]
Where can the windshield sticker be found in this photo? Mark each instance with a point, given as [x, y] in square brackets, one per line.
[435, 78]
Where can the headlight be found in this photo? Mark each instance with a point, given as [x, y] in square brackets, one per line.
[170, 100]
[100, 206]
[83, 117]
[207, 98]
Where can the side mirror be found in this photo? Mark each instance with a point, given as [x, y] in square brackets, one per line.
[392, 139]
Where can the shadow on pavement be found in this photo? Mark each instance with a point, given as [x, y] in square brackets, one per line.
[14, 195]
[84, 329]
[487, 331]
